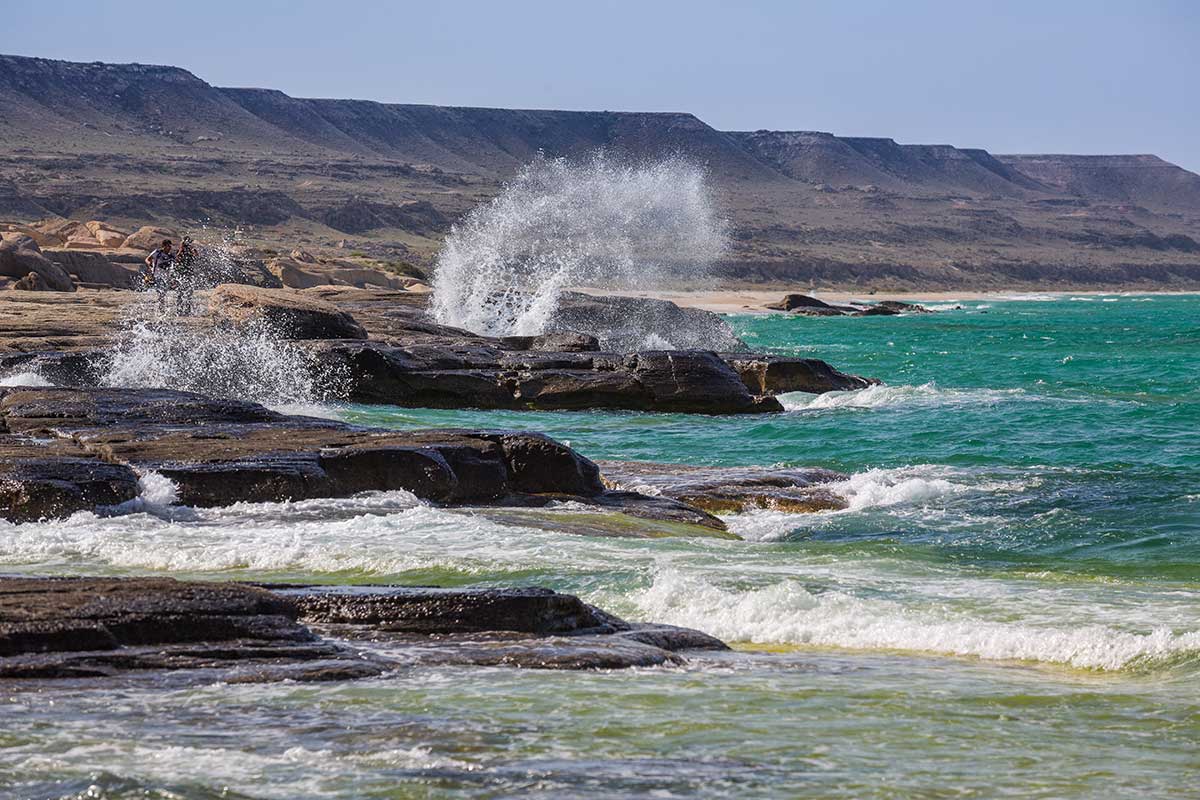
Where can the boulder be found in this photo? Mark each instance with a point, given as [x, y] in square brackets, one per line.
[696, 381]
[221, 452]
[82, 241]
[296, 274]
[810, 306]
[106, 235]
[765, 374]
[94, 268]
[148, 237]
[293, 275]
[56, 478]
[20, 255]
[42, 239]
[293, 315]
[892, 308]
[32, 283]
[59, 229]
[480, 376]
[631, 324]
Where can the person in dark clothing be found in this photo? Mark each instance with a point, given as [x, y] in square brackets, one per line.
[158, 272]
[184, 274]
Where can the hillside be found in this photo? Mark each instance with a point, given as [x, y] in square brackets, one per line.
[139, 144]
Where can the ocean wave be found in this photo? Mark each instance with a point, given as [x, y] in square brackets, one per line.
[788, 613]
[885, 396]
[24, 379]
[1033, 297]
[900, 490]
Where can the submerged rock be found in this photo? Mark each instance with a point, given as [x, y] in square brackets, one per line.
[730, 489]
[101, 627]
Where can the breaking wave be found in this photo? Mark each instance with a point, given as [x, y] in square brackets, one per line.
[602, 222]
[884, 396]
[788, 613]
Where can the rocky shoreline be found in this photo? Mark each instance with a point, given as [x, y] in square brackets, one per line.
[82, 444]
[92, 628]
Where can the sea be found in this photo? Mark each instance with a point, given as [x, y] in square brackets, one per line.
[1009, 606]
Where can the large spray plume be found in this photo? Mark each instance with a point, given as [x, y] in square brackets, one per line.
[601, 222]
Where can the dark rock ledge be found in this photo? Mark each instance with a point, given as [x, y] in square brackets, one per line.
[67, 450]
[391, 351]
[54, 628]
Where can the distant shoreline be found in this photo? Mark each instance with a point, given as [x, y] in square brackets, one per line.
[742, 301]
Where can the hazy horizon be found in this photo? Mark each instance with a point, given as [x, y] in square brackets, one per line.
[1017, 78]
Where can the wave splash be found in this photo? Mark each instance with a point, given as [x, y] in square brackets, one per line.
[244, 362]
[164, 348]
[602, 222]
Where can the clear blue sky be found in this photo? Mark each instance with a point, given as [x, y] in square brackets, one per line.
[1047, 76]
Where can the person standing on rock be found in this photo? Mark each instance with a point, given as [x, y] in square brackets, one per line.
[184, 273]
[158, 272]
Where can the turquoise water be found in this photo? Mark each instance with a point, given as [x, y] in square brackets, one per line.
[1010, 606]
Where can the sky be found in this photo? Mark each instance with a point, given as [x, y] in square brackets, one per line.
[1056, 76]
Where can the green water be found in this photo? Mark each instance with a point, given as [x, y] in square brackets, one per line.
[1009, 607]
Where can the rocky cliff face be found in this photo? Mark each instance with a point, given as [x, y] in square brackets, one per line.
[144, 144]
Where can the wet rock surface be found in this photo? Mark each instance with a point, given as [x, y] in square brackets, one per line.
[730, 489]
[66, 450]
[104, 627]
[392, 352]
[485, 377]
[219, 452]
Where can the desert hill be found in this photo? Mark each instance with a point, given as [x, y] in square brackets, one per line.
[143, 144]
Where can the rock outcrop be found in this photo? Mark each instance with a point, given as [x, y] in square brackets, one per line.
[392, 352]
[291, 314]
[20, 256]
[148, 237]
[731, 489]
[432, 376]
[67, 450]
[101, 627]
[812, 307]
[631, 324]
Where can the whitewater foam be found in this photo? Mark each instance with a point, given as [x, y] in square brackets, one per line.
[601, 222]
[885, 396]
[786, 612]
[24, 379]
